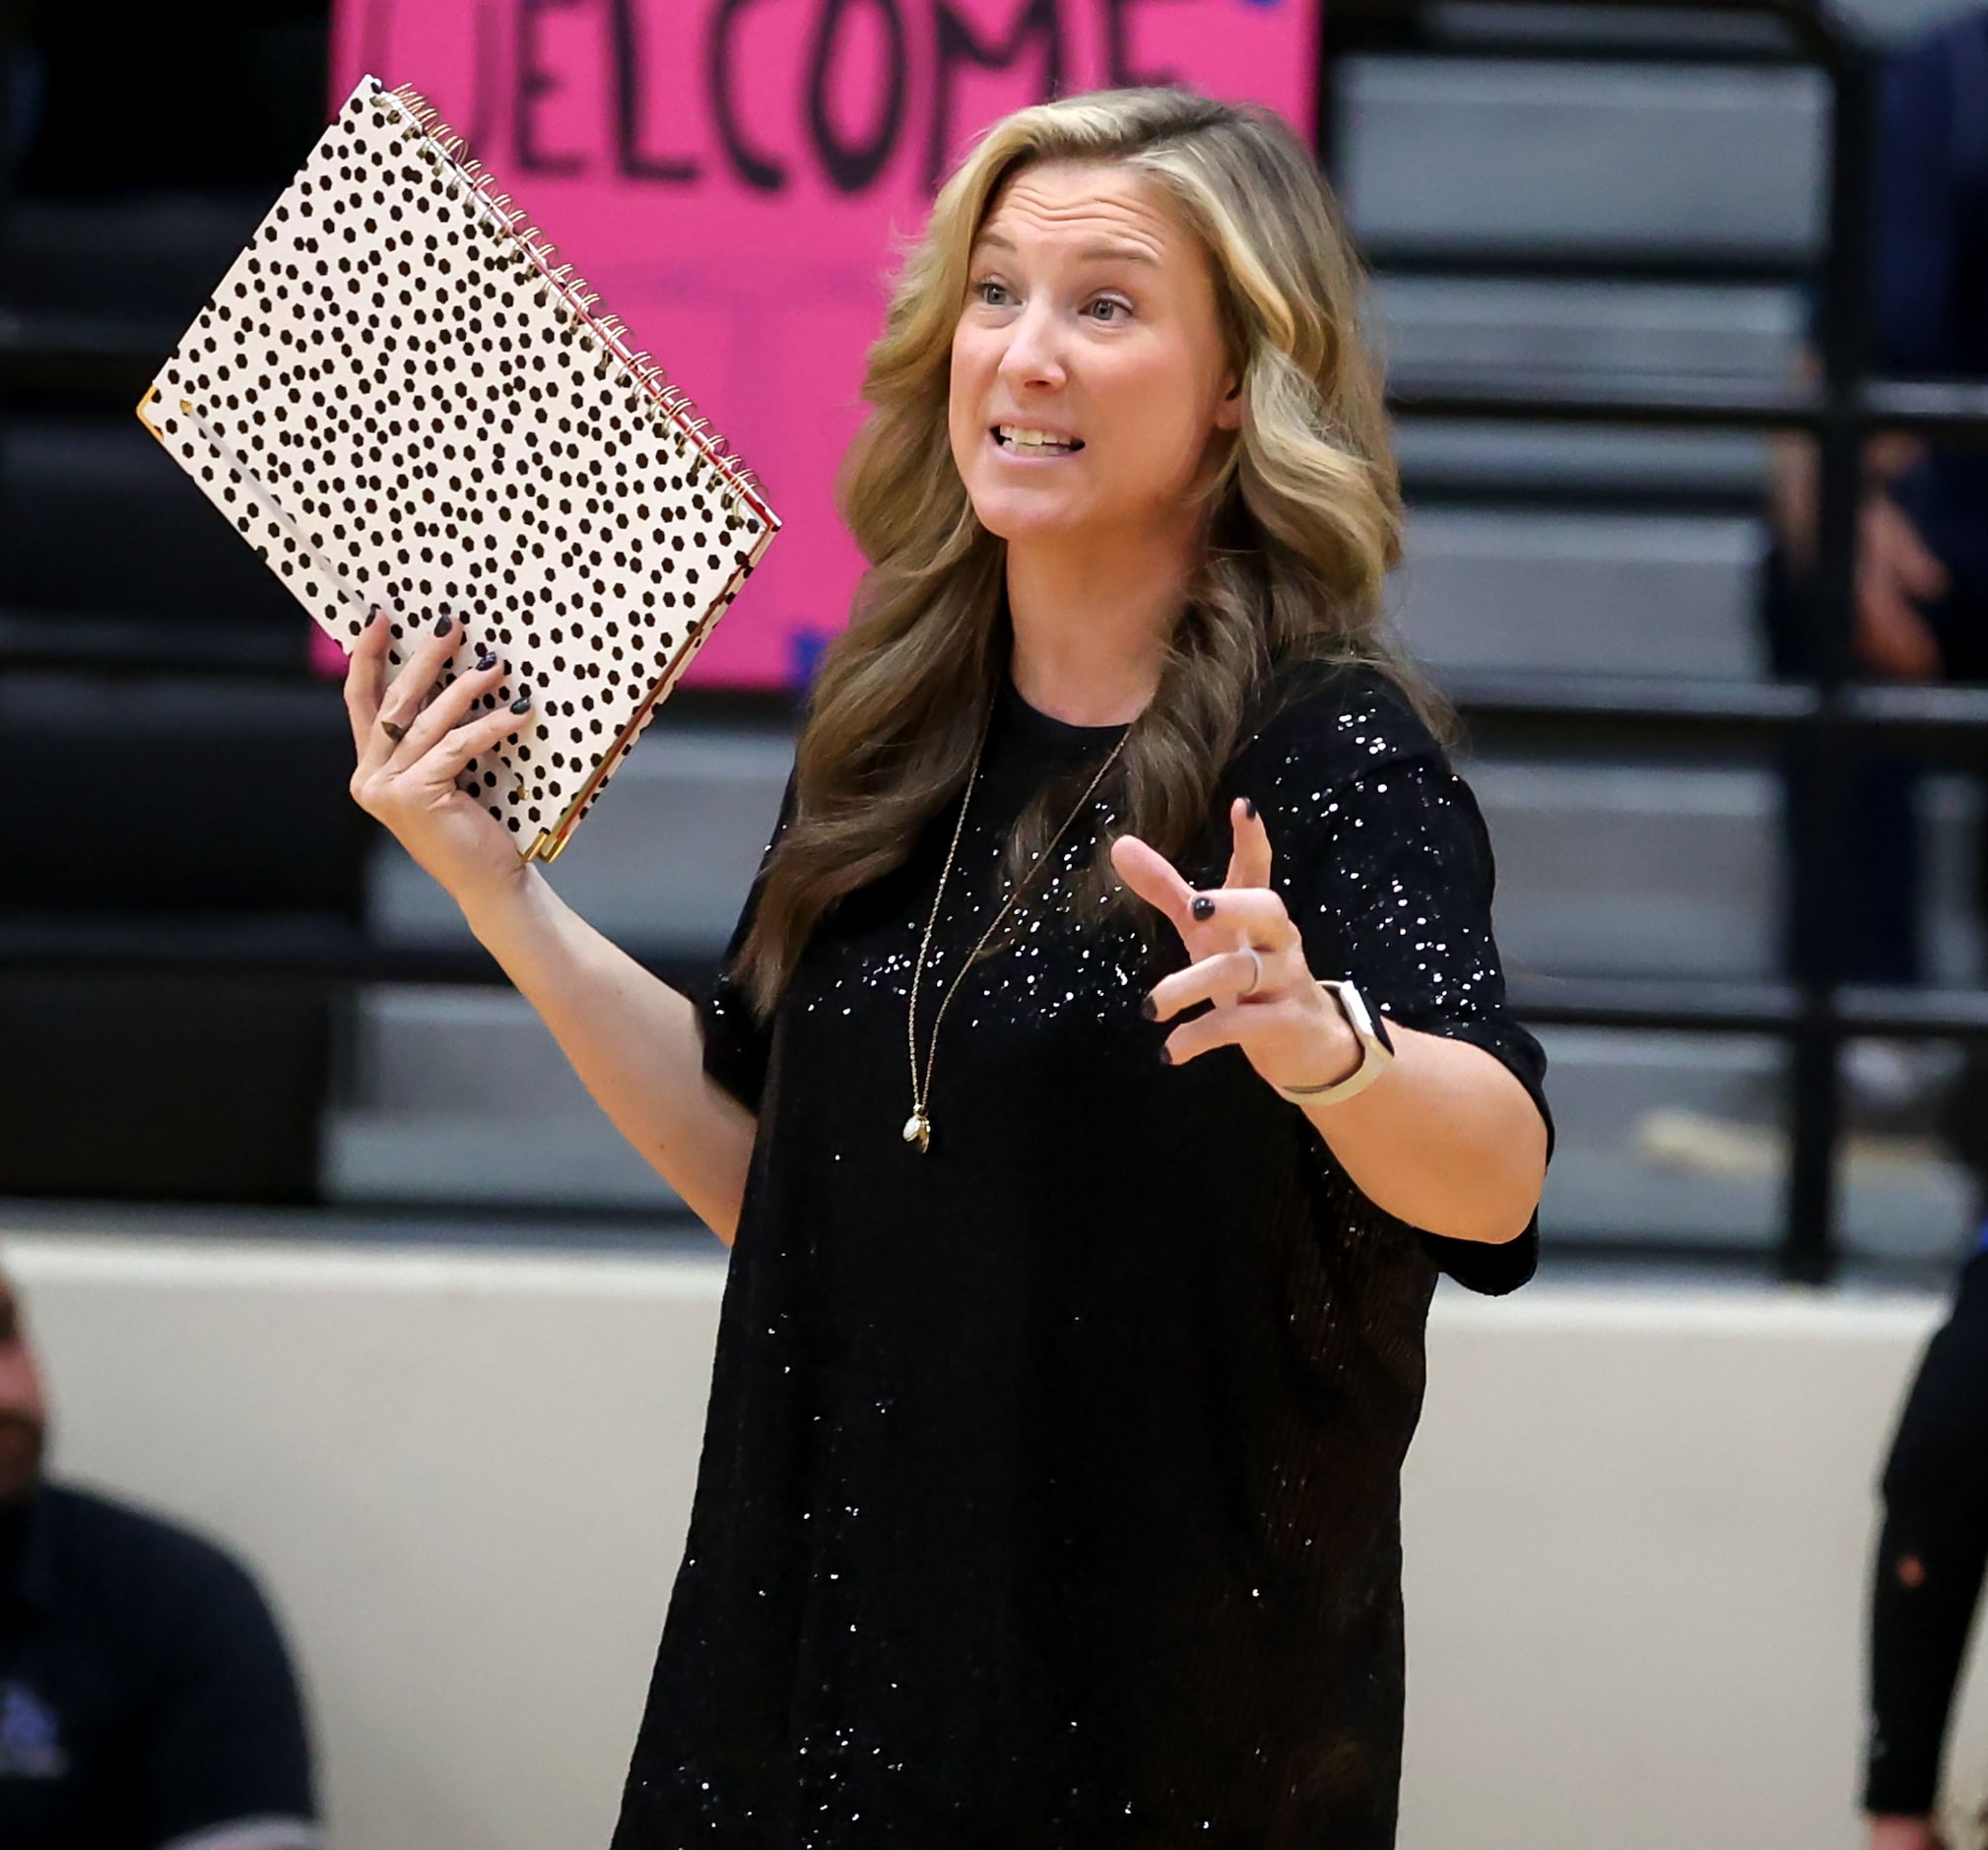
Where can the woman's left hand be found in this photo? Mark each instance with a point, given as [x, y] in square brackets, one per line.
[1288, 1027]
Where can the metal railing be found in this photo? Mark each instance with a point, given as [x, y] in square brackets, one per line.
[1823, 722]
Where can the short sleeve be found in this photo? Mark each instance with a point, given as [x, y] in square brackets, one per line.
[737, 1042]
[225, 1749]
[1389, 876]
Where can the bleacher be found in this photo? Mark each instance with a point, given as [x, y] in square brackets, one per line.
[1552, 197]
[1626, 199]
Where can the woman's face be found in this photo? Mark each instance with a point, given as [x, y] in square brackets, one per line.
[1089, 315]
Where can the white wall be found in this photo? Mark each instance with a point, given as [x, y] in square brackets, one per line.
[1637, 1528]
[464, 1481]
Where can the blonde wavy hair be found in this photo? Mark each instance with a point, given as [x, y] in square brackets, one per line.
[1299, 526]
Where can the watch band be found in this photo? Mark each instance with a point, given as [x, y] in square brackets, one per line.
[1376, 1055]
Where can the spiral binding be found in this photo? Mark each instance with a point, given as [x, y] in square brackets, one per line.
[646, 371]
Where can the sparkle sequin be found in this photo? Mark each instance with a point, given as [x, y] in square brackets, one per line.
[1049, 1486]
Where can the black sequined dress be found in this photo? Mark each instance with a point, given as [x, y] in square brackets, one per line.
[1049, 1490]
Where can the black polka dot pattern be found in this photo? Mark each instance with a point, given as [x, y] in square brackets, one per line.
[397, 399]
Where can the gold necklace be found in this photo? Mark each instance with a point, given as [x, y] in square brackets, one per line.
[919, 1126]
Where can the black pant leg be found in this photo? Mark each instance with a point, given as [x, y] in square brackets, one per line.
[1879, 940]
[1927, 1577]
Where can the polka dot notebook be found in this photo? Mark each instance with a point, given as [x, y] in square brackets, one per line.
[398, 400]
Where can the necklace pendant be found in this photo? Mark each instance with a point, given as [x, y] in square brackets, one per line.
[918, 1130]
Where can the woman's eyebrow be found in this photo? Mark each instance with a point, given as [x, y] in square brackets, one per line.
[1091, 254]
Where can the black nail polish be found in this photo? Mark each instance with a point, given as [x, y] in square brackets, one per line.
[1150, 1009]
[370, 615]
[1203, 907]
[1249, 809]
[442, 626]
[1166, 1055]
[485, 663]
[522, 704]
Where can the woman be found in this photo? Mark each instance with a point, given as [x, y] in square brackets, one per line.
[1073, 1333]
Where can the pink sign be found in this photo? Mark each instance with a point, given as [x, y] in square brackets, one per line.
[731, 175]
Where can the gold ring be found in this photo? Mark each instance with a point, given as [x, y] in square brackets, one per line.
[392, 731]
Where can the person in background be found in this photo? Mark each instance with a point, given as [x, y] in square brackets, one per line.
[1921, 615]
[146, 1700]
[1927, 1576]
[1921, 609]
[1922, 576]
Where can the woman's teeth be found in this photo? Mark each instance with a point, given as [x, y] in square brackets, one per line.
[1035, 445]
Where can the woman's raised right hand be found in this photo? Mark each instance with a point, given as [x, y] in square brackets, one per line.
[412, 741]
